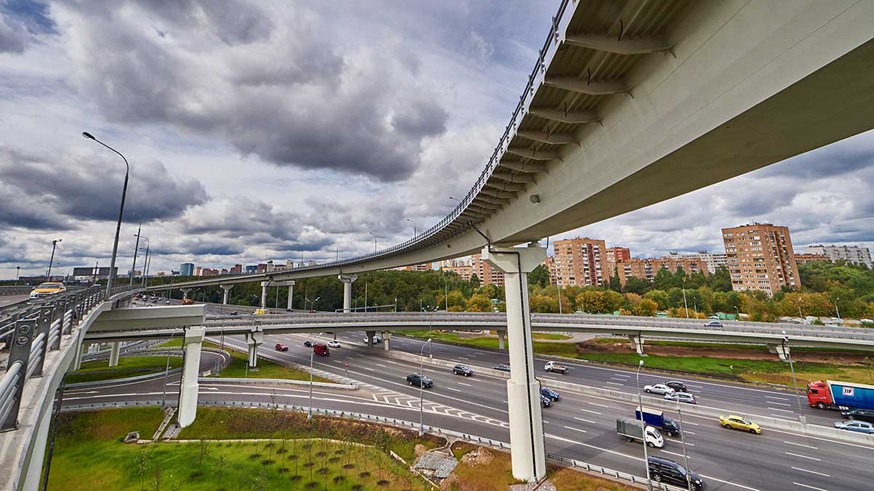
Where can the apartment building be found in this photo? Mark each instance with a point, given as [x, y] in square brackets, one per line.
[580, 262]
[760, 257]
[646, 269]
[804, 258]
[850, 254]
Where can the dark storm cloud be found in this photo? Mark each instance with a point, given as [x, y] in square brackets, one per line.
[274, 85]
[64, 188]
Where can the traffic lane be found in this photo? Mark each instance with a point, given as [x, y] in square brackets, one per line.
[737, 397]
[7, 300]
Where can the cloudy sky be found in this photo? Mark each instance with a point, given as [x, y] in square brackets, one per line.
[282, 130]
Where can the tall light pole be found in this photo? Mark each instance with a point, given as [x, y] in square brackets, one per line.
[800, 314]
[682, 439]
[120, 212]
[312, 352]
[801, 417]
[685, 304]
[643, 428]
[313, 305]
[838, 310]
[374, 241]
[415, 233]
[422, 385]
[146, 261]
[51, 260]
[17, 274]
[136, 249]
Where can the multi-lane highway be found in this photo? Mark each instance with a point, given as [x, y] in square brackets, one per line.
[577, 426]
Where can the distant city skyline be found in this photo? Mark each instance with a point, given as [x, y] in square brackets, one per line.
[261, 172]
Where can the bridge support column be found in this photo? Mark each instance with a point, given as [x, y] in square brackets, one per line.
[114, 353]
[781, 350]
[190, 372]
[347, 280]
[227, 290]
[370, 335]
[290, 285]
[502, 338]
[254, 339]
[637, 344]
[77, 362]
[386, 338]
[523, 390]
[264, 285]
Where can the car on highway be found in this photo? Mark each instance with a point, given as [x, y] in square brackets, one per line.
[713, 324]
[333, 344]
[682, 397]
[545, 401]
[676, 385]
[47, 288]
[419, 380]
[546, 391]
[734, 422]
[307, 344]
[670, 472]
[376, 339]
[281, 347]
[462, 370]
[503, 367]
[658, 389]
[187, 301]
[859, 415]
[857, 426]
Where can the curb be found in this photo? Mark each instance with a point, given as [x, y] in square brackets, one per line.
[276, 381]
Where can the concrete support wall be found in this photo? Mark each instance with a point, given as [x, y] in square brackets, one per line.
[386, 340]
[781, 350]
[523, 390]
[225, 294]
[190, 372]
[264, 285]
[370, 335]
[502, 338]
[114, 353]
[637, 344]
[254, 339]
[290, 294]
[347, 280]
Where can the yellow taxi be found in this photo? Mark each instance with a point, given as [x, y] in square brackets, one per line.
[48, 288]
[738, 423]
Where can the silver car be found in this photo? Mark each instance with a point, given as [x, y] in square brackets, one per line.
[658, 389]
[682, 397]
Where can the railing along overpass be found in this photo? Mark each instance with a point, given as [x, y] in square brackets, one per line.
[636, 328]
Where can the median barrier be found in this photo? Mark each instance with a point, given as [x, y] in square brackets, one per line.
[138, 378]
[276, 381]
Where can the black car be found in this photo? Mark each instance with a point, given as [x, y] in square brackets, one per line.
[420, 381]
[308, 344]
[503, 367]
[670, 472]
[547, 392]
[866, 415]
[462, 370]
[545, 401]
[676, 385]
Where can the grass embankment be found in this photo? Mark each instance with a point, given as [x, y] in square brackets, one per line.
[491, 342]
[481, 469]
[89, 454]
[238, 368]
[128, 366]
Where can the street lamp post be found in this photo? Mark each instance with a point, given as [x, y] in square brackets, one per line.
[738, 312]
[415, 233]
[136, 249]
[146, 259]
[838, 310]
[167, 374]
[374, 241]
[148, 263]
[800, 314]
[801, 417]
[643, 428]
[685, 304]
[17, 274]
[422, 385]
[120, 212]
[312, 352]
[683, 439]
[51, 260]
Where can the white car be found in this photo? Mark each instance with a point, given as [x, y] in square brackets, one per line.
[658, 389]
[333, 344]
[682, 397]
[376, 339]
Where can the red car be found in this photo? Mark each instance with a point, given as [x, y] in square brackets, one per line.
[281, 347]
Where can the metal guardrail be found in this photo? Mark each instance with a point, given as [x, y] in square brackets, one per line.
[15, 290]
[31, 333]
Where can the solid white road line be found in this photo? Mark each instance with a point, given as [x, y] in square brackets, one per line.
[590, 411]
[575, 429]
[615, 383]
[452, 389]
[585, 420]
[672, 453]
[464, 384]
[810, 471]
[599, 405]
[803, 456]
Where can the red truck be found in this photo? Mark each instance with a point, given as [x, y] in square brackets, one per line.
[840, 395]
[321, 349]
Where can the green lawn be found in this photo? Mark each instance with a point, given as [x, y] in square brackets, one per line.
[89, 455]
[128, 366]
[266, 369]
[541, 347]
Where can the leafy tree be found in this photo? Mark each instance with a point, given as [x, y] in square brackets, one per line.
[543, 304]
[720, 281]
[479, 303]
[660, 297]
[663, 280]
[540, 276]
[636, 285]
[474, 281]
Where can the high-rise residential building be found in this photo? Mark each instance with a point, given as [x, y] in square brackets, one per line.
[760, 257]
[237, 269]
[416, 267]
[580, 262]
[810, 257]
[186, 269]
[487, 274]
[460, 267]
[646, 269]
[618, 254]
[850, 254]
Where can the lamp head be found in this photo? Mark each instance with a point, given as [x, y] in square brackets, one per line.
[641, 363]
[88, 135]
